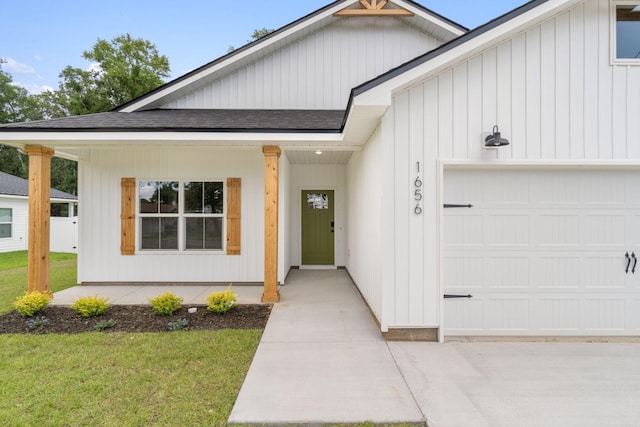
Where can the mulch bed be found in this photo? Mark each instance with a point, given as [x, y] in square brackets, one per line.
[137, 318]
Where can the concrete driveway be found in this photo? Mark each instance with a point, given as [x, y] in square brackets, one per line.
[322, 360]
[523, 384]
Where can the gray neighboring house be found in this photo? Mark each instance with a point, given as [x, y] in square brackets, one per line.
[14, 217]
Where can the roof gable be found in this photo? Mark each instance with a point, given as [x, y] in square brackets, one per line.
[423, 20]
[459, 49]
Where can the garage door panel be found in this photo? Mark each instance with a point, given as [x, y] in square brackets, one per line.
[603, 314]
[464, 230]
[603, 188]
[506, 272]
[464, 272]
[603, 271]
[558, 314]
[465, 316]
[603, 230]
[557, 229]
[556, 272]
[548, 261]
[507, 314]
[506, 230]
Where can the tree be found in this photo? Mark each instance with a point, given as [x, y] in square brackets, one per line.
[258, 33]
[124, 69]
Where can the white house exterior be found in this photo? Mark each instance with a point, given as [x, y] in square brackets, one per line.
[14, 217]
[400, 105]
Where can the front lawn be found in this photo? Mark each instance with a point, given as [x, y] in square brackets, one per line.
[13, 275]
[181, 378]
[123, 379]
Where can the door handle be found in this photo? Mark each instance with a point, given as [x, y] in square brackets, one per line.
[635, 261]
[628, 262]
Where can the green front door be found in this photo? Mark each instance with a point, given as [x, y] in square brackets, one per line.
[317, 227]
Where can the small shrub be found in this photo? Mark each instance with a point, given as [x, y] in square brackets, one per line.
[105, 324]
[167, 303]
[90, 306]
[221, 302]
[31, 303]
[178, 325]
[36, 322]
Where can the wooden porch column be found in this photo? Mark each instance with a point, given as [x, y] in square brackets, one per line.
[39, 217]
[271, 157]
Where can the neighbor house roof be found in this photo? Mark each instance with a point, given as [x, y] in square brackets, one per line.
[11, 185]
[193, 120]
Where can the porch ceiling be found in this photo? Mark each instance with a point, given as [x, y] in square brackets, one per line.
[309, 157]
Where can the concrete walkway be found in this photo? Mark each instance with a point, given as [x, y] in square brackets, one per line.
[322, 360]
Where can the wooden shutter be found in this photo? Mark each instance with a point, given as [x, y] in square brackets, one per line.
[233, 216]
[128, 216]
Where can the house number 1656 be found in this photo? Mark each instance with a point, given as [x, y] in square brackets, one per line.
[417, 192]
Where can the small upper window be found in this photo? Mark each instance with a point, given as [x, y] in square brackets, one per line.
[627, 31]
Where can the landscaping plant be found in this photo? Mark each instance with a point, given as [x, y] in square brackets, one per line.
[105, 324]
[90, 306]
[167, 303]
[221, 302]
[31, 303]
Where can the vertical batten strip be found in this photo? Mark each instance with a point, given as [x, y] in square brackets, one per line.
[128, 216]
[233, 215]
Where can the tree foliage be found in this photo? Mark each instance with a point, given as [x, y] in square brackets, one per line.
[122, 70]
[258, 33]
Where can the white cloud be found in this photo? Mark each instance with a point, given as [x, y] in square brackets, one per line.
[33, 89]
[95, 66]
[15, 67]
[38, 58]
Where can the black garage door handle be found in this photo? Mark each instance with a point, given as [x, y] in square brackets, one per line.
[628, 262]
[635, 261]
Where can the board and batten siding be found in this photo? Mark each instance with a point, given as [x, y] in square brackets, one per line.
[365, 206]
[553, 93]
[551, 90]
[317, 177]
[100, 174]
[318, 71]
[284, 218]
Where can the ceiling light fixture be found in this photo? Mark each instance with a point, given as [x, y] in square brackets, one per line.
[318, 152]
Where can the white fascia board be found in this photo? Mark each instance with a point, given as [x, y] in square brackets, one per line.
[433, 19]
[88, 139]
[234, 58]
[384, 91]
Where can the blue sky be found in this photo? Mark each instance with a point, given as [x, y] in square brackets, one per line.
[39, 38]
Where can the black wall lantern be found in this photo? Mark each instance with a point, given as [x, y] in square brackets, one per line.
[495, 140]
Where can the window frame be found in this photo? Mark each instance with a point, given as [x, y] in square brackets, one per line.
[182, 216]
[613, 12]
[10, 223]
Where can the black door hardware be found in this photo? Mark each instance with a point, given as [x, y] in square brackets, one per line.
[628, 262]
[635, 261]
[446, 205]
[457, 296]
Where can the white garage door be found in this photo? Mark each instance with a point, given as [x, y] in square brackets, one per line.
[542, 252]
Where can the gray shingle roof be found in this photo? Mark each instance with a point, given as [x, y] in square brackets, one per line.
[192, 120]
[11, 185]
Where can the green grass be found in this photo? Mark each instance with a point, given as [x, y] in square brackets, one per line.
[10, 260]
[119, 379]
[13, 275]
